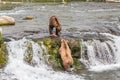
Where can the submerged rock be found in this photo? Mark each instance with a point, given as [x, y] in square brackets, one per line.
[6, 20]
[28, 56]
[28, 18]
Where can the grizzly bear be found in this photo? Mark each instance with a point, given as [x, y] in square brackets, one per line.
[65, 54]
[54, 23]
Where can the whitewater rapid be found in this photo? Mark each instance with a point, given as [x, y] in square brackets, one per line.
[102, 55]
[18, 69]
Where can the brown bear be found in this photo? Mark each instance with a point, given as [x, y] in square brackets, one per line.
[65, 54]
[54, 23]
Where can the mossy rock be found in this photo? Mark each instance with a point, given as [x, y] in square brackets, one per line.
[28, 18]
[28, 56]
[53, 46]
[1, 39]
[54, 59]
[3, 56]
[75, 46]
[77, 64]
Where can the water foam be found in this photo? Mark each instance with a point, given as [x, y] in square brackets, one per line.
[101, 68]
[102, 56]
[18, 69]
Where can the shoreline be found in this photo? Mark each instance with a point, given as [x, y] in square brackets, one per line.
[8, 2]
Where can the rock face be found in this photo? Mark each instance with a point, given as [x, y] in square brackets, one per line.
[54, 58]
[3, 55]
[6, 20]
[50, 54]
[3, 52]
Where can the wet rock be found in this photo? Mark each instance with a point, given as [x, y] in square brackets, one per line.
[1, 39]
[6, 20]
[78, 65]
[53, 56]
[28, 56]
[75, 47]
[28, 18]
[3, 56]
[3, 52]
[54, 59]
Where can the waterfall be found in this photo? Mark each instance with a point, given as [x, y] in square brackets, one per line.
[18, 69]
[101, 55]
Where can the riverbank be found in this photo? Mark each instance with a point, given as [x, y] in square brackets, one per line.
[7, 2]
[44, 3]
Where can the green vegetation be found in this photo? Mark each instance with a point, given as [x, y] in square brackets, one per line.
[3, 56]
[54, 58]
[28, 56]
[53, 46]
[1, 39]
[3, 53]
[78, 65]
[75, 48]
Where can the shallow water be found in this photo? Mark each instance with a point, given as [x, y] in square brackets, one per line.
[77, 18]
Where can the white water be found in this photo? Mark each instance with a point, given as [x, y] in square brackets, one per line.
[18, 69]
[102, 56]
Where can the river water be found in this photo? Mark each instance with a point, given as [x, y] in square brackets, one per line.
[75, 17]
[79, 20]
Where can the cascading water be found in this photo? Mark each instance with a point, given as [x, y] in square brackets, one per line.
[101, 55]
[18, 69]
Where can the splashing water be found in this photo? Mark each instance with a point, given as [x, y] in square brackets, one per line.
[18, 69]
[101, 55]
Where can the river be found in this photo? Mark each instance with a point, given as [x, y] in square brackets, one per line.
[79, 20]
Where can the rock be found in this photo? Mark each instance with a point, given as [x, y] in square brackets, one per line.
[3, 56]
[1, 39]
[53, 57]
[3, 52]
[6, 20]
[28, 18]
[28, 56]
[75, 47]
